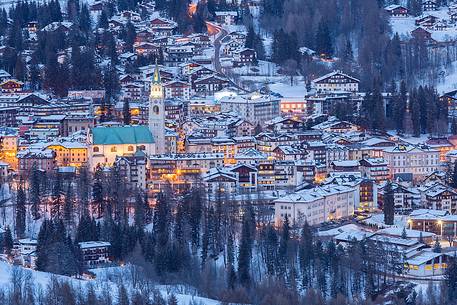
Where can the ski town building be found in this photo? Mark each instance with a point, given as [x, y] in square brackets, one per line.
[316, 205]
[336, 81]
[106, 143]
[94, 253]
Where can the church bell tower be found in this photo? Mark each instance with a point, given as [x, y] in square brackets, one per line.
[157, 111]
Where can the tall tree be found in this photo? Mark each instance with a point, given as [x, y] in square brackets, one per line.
[388, 204]
[126, 112]
[20, 211]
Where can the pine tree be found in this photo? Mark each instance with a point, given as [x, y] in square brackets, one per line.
[231, 274]
[323, 40]
[283, 246]
[129, 36]
[388, 204]
[20, 211]
[415, 113]
[450, 277]
[68, 209]
[97, 193]
[35, 197]
[123, 298]
[7, 241]
[126, 112]
[85, 23]
[244, 254]
[403, 234]
[437, 246]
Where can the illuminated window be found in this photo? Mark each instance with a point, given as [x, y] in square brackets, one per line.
[113, 149]
[130, 148]
[96, 149]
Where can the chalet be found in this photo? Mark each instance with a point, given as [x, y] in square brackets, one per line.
[238, 36]
[11, 86]
[451, 99]
[219, 180]
[65, 27]
[8, 116]
[144, 35]
[127, 79]
[132, 91]
[289, 153]
[200, 39]
[335, 125]
[146, 48]
[284, 124]
[130, 15]
[246, 175]
[179, 54]
[133, 168]
[163, 27]
[28, 102]
[422, 34]
[210, 84]
[426, 21]
[199, 73]
[226, 17]
[116, 24]
[441, 197]
[375, 168]
[177, 89]
[244, 57]
[94, 253]
[396, 10]
[232, 46]
[345, 166]
[429, 5]
[336, 81]
[41, 159]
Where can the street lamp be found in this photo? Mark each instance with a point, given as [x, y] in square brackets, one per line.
[440, 222]
[410, 223]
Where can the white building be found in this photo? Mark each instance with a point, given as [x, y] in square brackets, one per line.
[316, 205]
[418, 161]
[336, 81]
[157, 112]
[255, 108]
[107, 143]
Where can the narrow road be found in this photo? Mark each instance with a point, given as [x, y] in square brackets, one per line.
[220, 33]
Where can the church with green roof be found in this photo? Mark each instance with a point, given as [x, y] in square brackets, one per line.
[105, 143]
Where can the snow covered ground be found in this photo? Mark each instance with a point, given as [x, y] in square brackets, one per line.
[104, 277]
[378, 221]
[404, 25]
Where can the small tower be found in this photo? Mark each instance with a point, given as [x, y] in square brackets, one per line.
[157, 111]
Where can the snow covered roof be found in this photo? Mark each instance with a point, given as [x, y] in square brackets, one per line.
[422, 257]
[316, 193]
[94, 244]
[395, 231]
[334, 73]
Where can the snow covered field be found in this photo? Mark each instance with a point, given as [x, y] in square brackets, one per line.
[404, 25]
[104, 277]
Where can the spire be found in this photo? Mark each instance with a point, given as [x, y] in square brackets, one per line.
[156, 85]
[156, 77]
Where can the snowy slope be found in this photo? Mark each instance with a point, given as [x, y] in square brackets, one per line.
[404, 25]
[104, 277]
